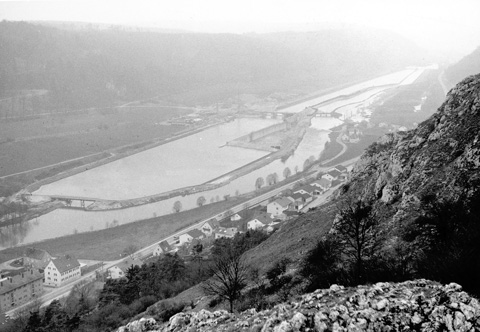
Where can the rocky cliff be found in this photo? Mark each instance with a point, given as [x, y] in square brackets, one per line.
[408, 306]
[440, 158]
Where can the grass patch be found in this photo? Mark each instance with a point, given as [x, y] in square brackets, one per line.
[354, 149]
[332, 148]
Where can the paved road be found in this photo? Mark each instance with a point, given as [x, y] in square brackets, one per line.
[65, 290]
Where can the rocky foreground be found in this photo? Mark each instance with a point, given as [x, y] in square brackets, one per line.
[419, 305]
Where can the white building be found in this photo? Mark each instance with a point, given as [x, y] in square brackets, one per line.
[189, 236]
[279, 205]
[61, 271]
[162, 248]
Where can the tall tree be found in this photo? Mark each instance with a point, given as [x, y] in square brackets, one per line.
[259, 183]
[201, 200]
[359, 232]
[177, 206]
[229, 276]
[287, 172]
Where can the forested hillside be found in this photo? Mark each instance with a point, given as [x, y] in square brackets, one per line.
[50, 68]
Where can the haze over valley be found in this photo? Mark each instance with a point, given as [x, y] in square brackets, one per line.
[177, 144]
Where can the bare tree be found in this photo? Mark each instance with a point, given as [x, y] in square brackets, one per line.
[359, 232]
[229, 276]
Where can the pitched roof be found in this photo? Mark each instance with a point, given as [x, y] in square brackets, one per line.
[324, 182]
[213, 222]
[264, 218]
[283, 201]
[165, 246]
[35, 253]
[65, 263]
[195, 233]
[341, 168]
[19, 280]
[230, 231]
[308, 188]
[334, 173]
[300, 195]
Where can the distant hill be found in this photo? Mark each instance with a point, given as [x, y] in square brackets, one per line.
[94, 67]
[469, 65]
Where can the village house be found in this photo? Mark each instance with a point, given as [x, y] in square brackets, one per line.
[209, 227]
[279, 205]
[323, 184]
[162, 248]
[20, 288]
[226, 232]
[342, 169]
[61, 271]
[332, 175]
[36, 258]
[119, 271]
[194, 234]
[306, 189]
[259, 221]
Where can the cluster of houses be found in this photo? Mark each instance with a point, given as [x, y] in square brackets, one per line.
[351, 134]
[302, 196]
[38, 269]
[267, 218]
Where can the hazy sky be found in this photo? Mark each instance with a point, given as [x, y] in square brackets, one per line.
[452, 25]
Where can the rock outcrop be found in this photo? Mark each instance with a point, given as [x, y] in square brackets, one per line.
[419, 305]
[440, 158]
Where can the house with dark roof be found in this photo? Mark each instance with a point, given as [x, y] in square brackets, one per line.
[323, 184]
[194, 234]
[306, 189]
[341, 168]
[259, 221]
[332, 175]
[226, 232]
[162, 248]
[20, 288]
[61, 271]
[209, 226]
[120, 270]
[36, 258]
[279, 205]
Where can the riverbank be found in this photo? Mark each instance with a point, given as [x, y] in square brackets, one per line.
[118, 153]
[108, 244]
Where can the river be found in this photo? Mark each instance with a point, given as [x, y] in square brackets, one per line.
[200, 148]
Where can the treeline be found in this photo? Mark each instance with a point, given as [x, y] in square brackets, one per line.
[48, 68]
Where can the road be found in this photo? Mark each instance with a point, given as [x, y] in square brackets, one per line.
[64, 290]
[444, 82]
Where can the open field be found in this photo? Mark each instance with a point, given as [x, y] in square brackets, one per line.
[397, 106]
[52, 139]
